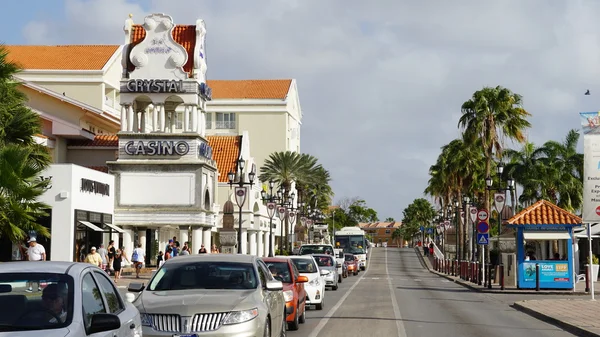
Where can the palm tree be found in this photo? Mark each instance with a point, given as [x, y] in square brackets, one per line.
[491, 115]
[21, 160]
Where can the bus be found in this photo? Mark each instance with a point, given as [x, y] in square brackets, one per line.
[353, 240]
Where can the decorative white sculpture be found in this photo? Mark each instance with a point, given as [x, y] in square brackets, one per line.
[200, 51]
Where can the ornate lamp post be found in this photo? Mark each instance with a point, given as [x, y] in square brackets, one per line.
[499, 198]
[466, 203]
[271, 201]
[282, 212]
[241, 191]
[456, 226]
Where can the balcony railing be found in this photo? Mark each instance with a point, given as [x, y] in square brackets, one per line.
[225, 124]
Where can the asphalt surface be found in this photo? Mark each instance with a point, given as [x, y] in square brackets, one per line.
[398, 296]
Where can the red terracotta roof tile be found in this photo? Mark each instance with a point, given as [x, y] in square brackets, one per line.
[250, 89]
[185, 35]
[544, 213]
[99, 141]
[226, 151]
[62, 57]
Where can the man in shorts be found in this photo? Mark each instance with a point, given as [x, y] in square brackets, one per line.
[138, 257]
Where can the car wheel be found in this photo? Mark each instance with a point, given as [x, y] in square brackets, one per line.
[302, 318]
[283, 332]
[335, 287]
[339, 278]
[268, 328]
[292, 326]
[320, 305]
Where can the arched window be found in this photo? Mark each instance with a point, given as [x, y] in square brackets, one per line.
[207, 200]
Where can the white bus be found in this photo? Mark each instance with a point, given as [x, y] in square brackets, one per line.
[353, 240]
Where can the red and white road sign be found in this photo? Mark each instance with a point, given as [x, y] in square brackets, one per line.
[598, 210]
[483, 215]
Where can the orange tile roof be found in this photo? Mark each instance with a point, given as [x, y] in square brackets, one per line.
[185, 35]
[250, 89]
[63, 57]
[226, 151]
[99, 168]
[544, 213]
[99, 141]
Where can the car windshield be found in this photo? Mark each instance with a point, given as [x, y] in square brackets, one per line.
[357, 251]
[204, 275]
[280, 271]
[35, 301]
[316, 249]
[324, 261]
[305, 265]
[348, 257]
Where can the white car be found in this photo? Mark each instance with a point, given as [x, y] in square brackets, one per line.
[315, 287]
[63, 299]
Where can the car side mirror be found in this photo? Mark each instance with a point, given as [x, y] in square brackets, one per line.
[302, 279]
[274, 285]
[135, 287]
[324, 272]
[104, 322]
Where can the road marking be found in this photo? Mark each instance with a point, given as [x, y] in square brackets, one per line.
[332, 311]
[417, 280]
[374, 278]
[399, 323]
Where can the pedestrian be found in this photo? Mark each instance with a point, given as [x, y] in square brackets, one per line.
[19, 251]
[202, 250]
[170, 244]
[111, 253]
[431, 247]
[214, 249]
[175, 249]
[159, 258]
[94, 258]
[118, 263]
[138, 257]
[168, 254]
[185, 251]
[104, 256]
[35, 252]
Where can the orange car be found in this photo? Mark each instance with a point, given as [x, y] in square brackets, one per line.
[293, 289]
[351, 262]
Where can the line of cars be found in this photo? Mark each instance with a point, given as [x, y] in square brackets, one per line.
[190, 296]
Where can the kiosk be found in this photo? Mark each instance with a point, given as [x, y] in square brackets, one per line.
[544, 223]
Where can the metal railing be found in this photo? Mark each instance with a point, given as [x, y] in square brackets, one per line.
[225, 124]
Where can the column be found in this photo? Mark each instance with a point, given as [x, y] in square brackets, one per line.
[143, 121]
[252, 242]
[266, 244]
[155, 110]
[260, 244]
[197, 234]
[142, 238]
[194, 113]
[128, 240]
[136, 122]
[244, 242]
[186, 118]
[123, 117]
[183, 234]
[206, 238]
[173, 121]
[202, 123]
[163, 118]
[130, 118]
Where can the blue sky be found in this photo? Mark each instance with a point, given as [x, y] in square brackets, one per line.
[380, 83]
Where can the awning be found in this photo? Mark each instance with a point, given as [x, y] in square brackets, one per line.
[91, 226]
[546, 236]
[583, 229]
[119, 230]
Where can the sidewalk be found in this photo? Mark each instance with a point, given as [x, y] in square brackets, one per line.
[575, 315]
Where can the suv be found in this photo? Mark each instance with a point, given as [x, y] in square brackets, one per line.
[316, 249]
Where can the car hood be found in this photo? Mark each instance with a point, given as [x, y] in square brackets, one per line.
[190, 302]
[63, 332]
[331, 269]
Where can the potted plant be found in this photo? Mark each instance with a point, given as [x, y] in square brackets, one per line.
[595, 267]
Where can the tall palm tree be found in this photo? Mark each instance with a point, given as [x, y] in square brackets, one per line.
[21, 160]
[491, 115]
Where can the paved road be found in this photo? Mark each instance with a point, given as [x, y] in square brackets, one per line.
[422, 304]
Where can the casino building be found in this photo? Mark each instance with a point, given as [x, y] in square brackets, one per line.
[141, 121]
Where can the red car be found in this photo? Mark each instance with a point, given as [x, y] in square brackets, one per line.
[351, 262]
[293, 289]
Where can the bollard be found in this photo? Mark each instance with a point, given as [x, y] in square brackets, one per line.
[468, 266]
[537, 277]
[587, 279]
[475, 272]
[501, 271]
[479, 273]
[489, 279]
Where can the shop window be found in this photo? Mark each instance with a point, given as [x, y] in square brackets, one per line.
[225, 120]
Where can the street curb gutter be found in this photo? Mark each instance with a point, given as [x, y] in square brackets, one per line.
[577, 331]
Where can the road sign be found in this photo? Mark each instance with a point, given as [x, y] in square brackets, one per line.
[483, 215]
[429, 230]
[422, 228]
[483, 227]
[483, 238]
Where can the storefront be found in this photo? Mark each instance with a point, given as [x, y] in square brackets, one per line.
[82, 208]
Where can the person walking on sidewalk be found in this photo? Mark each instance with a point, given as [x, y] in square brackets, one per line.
[94, 258]
[35, 252]
[138, 257]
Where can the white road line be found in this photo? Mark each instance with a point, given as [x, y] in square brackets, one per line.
[398, 316]
[332, 311]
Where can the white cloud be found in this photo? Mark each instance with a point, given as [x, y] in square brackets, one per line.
[381, 83]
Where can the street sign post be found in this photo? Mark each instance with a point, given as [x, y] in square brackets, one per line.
[483, 215]
[483, 227]
[483, 238]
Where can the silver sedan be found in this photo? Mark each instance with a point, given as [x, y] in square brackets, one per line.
[213, 295]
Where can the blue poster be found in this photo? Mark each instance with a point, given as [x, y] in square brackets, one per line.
[550, 271]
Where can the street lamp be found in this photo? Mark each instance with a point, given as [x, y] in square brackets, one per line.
[271, 201]
[457, 214]
[489, 182]
[285, 205]
[241, 191]
[466, 201]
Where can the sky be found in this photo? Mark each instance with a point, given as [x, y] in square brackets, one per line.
[381, 82]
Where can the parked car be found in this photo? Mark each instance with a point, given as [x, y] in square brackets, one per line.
[315, 287]
[342, 269]
[351, 262]
[218, 294]
[294, 293]
[361, 255]
[63, 299]
[327, 263]
[309, 249]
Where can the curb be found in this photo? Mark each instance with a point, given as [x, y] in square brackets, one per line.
[577, 331]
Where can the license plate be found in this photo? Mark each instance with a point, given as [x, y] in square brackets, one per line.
[187, 335]
[312, 306]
